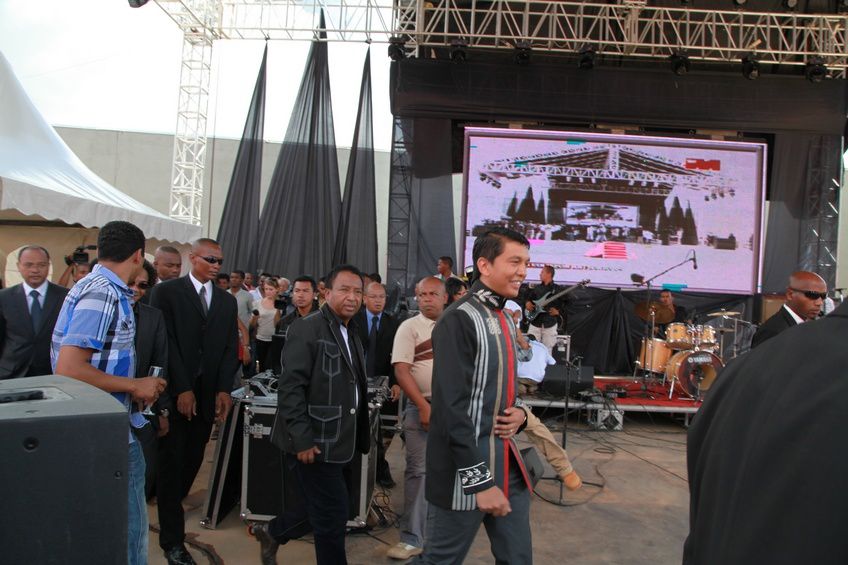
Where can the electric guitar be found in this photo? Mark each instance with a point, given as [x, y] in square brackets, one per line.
[549, 297]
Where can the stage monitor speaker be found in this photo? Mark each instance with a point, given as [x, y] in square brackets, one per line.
[580, 380]
[63, 480]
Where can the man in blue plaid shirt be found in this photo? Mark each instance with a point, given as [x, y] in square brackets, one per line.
[93, 341]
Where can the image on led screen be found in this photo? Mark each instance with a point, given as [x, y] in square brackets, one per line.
[606, 207]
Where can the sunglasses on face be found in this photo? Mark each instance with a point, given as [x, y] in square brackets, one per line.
[811, 294]
[212, 260]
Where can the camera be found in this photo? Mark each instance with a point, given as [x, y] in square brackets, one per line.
[80, 255]
[283, 300]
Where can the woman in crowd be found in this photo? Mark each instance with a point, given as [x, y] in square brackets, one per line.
[265, 319]
[456, 289]
[151, 349]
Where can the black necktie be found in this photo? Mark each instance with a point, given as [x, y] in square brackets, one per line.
[371, 358]
[35, 310]
[203, 304]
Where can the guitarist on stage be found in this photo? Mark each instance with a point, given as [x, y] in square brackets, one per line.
[544, 326]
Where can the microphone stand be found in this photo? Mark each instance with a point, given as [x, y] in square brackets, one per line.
[561, 351]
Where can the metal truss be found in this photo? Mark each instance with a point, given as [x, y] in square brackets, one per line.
[820, 223]
[399, 238]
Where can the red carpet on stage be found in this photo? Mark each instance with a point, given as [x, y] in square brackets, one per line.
[636, 396]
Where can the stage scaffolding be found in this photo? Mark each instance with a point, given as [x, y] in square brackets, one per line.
[627, 28]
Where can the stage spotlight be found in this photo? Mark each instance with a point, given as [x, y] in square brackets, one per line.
[841, 6]
[523, 50]
[397, 48]
[815, 70]
[679, 63]
[587, 59]
[458, 51]
[740, 2]
[137, 3]
[790, 4]
[750, 67]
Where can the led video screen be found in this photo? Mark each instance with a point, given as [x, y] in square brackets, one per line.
[614, 208]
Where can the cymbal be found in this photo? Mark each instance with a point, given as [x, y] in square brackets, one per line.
[724, 313]
[663, 314]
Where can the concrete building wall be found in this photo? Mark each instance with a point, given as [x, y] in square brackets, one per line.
[139, 164]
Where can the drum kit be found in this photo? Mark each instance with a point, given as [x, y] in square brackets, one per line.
[690, 356]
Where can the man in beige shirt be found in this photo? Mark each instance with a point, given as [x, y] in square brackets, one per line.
[412, 358]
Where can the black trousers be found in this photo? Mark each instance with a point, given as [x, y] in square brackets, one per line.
[323, 509]
[180, 456]
[263, 350]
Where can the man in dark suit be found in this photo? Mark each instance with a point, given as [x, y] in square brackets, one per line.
[200, 319]
[28, 312]
[804, 298]
[377, 332]
[322, 419]
[766, 473]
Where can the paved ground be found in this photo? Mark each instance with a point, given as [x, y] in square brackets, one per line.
[639, 515]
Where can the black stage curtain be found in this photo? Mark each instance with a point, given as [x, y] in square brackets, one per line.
[297, 229]
[356, 237]
[606, 332]
[240, 219]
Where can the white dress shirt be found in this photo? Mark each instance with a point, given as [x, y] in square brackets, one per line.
[197, 285]
[346, 340]
[42, 292]
[798, 319]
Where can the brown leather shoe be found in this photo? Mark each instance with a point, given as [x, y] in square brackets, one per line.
[572, 481]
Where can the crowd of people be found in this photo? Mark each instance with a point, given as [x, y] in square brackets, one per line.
[171, 348]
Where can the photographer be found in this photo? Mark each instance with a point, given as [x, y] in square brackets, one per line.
[266, 316]
[78, 266]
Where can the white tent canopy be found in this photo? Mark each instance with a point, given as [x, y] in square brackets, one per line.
[41, 177]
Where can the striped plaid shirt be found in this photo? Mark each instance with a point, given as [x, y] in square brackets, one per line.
[97, 315]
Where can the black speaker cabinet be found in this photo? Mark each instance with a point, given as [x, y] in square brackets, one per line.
[580, 380]
[63, 483]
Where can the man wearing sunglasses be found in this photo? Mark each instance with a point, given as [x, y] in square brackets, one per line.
[804, 298]
[201, 321]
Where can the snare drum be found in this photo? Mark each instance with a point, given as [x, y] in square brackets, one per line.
[678, 336]
[654, 355]
[693, 372]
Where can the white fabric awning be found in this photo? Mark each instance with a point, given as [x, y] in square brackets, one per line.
[40, 176]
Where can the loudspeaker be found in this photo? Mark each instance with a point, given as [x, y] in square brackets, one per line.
[63, 480]
[554, 382]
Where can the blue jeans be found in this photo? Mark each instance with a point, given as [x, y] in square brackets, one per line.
[137, 522]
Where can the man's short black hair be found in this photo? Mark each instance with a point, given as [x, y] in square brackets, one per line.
[168, 249]
[223, 277]
[205, 241]
[151, 273]
[239, 272]
[376, 277]
[550, 269]
[490, 244]
[118, 240]
[664, 291]
[30, 247]
[447, 260]
[306, 279]
[331, 276]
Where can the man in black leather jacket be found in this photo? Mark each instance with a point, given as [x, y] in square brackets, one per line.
[322, 418]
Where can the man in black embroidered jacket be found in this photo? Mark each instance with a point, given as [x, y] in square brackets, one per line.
[475, 473]
[322, 419]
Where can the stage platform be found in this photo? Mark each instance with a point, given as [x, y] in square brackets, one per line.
[641, 396]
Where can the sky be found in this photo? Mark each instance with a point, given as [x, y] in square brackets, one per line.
[103, 65]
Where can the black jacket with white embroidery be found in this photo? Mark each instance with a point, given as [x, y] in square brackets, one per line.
[474, 380]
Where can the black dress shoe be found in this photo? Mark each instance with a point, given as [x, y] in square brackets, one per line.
[179, 555]
[267, 544]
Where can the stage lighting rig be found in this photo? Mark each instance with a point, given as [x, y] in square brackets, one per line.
[397, 48]
[522, 53]
[816, 70]
[750, 67]
[587, 58]
[790, 4]
[137, 3]
[680, 64]
[459, 50]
